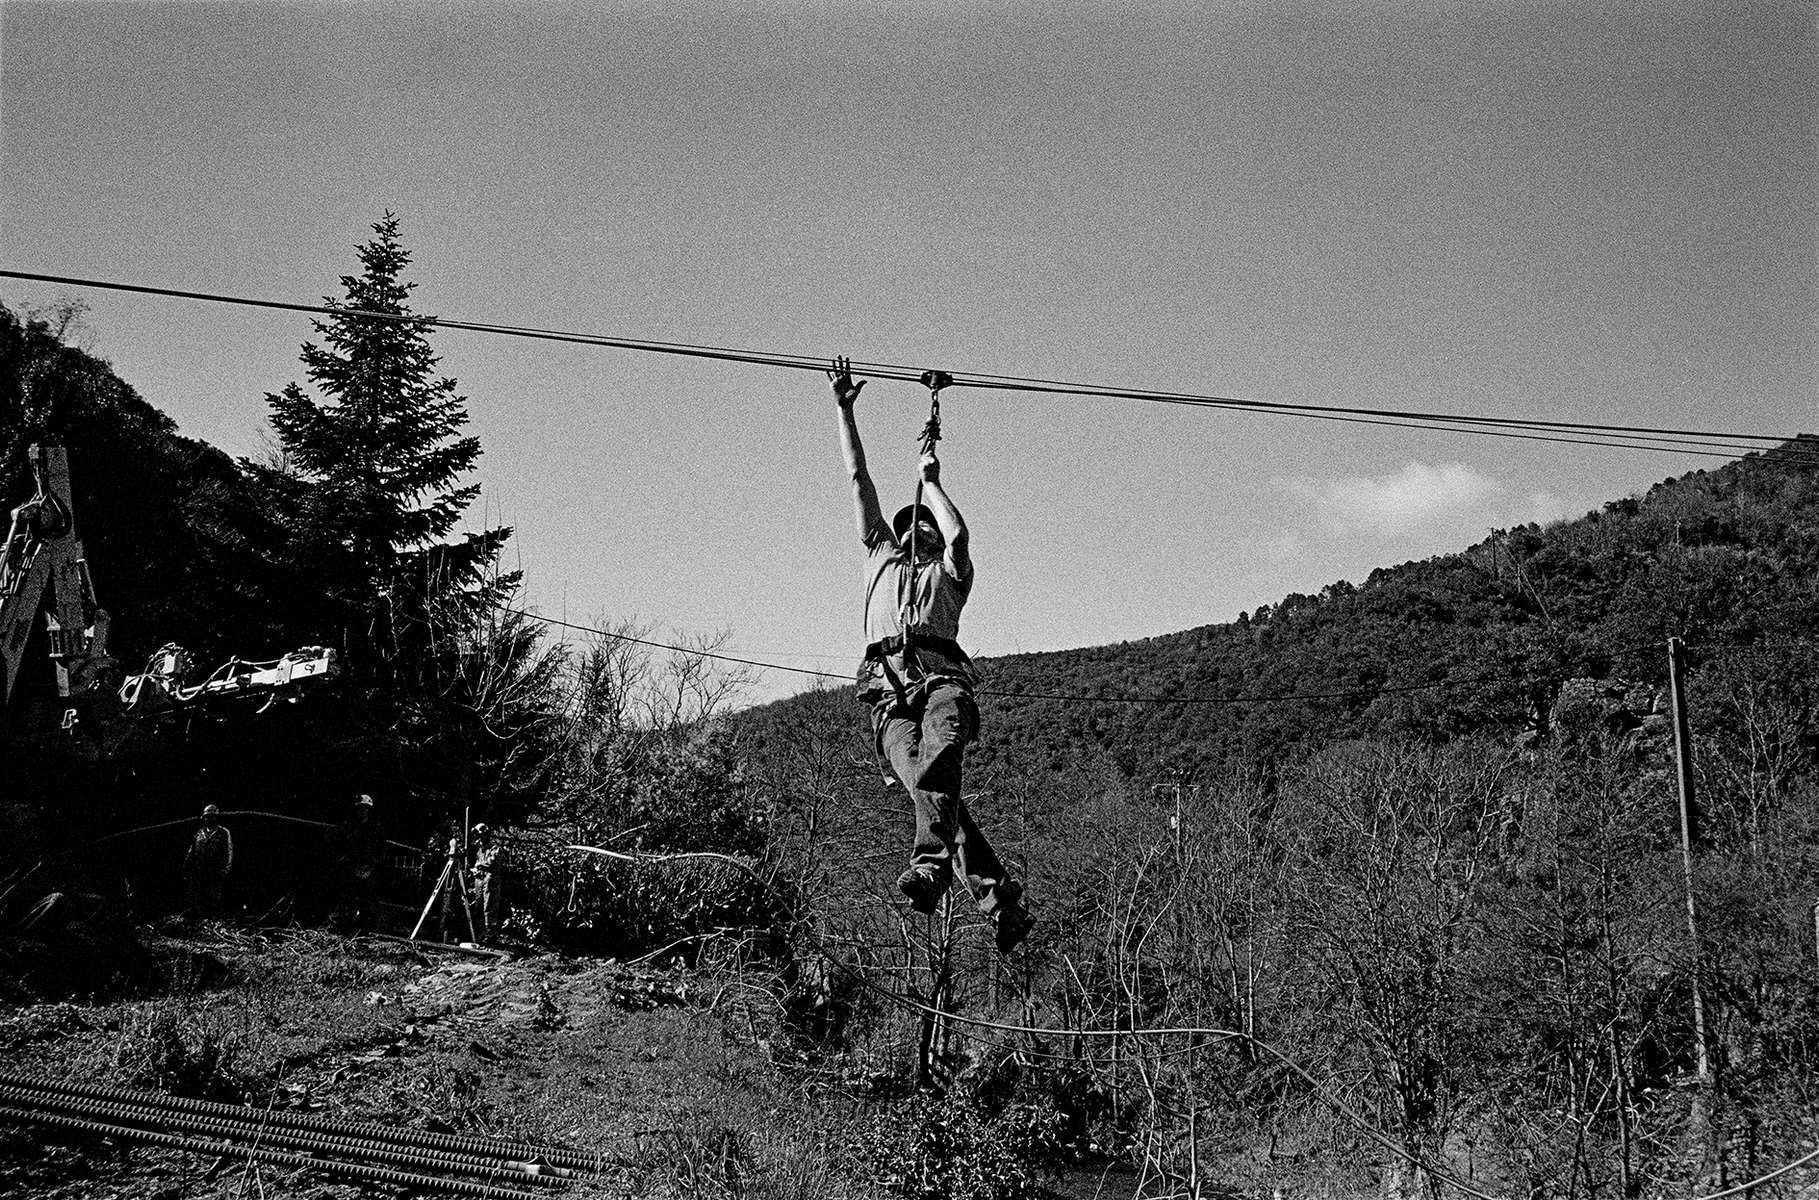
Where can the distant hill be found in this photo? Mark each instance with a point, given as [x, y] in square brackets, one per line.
[1480, 639]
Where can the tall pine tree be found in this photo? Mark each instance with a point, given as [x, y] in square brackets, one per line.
[379, 458]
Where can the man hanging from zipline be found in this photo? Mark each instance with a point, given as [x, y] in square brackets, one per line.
[917, 679]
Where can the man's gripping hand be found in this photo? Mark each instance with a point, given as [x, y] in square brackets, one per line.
[846, 392]
[931, 469]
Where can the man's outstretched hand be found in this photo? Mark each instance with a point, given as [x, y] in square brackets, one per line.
[931, 469]
[846, 392]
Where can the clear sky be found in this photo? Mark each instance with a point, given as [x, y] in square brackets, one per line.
[1572, 211]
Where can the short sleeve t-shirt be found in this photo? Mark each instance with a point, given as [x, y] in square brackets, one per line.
[938, 596]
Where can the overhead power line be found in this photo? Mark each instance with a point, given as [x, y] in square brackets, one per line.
[1701, 443]
[1064, 697]
[638, 641]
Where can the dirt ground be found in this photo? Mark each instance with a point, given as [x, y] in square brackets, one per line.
[675, 1074]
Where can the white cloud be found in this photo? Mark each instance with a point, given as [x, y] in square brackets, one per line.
[1285, 545]
[1543, 507]
[1416, 497]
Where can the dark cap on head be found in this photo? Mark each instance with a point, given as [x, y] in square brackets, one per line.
[363, 801]
[900, 524]
[209, 810]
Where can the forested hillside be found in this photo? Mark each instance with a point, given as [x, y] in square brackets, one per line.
[1478, 640]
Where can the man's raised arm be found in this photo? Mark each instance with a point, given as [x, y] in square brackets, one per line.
[947, 518]
[866, 512]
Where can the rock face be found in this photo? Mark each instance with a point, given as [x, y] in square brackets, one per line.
[1611, 708]
[1617, 715]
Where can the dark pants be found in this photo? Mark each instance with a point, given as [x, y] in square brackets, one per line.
[202, 892]
[925, 742]
[357, 907]
[489, 909]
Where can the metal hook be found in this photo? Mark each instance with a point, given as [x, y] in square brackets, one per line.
[931, 432]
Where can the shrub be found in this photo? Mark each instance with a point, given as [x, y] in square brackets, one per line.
[792, 1155]
[949, 1148]
[609, 906]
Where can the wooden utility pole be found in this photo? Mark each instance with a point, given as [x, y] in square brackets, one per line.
[1683, 761]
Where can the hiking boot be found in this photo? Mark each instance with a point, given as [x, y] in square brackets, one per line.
[923, 887]
[1011, 923]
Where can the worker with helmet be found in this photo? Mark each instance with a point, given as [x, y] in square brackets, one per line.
[359, 849]
[489, 888]
[205, 866]
[919, 682]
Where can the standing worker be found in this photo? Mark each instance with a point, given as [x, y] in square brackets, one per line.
[919, 682]
[359, 847]
[205, 867]
[489, 888]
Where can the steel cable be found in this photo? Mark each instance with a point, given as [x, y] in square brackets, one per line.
[1592, 433]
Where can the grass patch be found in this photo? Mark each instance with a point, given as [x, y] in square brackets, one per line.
[790, 1154]
[186, 1049]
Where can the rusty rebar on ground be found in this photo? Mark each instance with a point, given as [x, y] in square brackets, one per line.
[224, 1149]
[260, 1133]
[480, 1147]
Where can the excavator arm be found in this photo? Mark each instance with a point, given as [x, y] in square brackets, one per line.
[42, 569]
[164, 688]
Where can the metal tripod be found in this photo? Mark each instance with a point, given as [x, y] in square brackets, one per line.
[451, 871]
